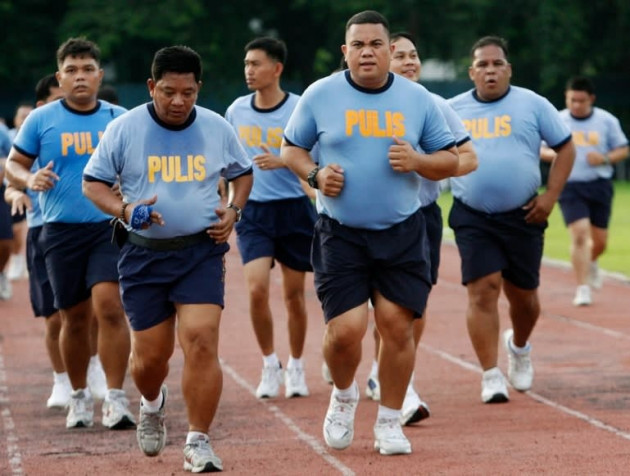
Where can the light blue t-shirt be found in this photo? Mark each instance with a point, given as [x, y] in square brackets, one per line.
[255, 126]
[5, 141]
[54, 132]
[181, 165]
[506, 134]
[354, 127]
[430, 189]
[599, 132]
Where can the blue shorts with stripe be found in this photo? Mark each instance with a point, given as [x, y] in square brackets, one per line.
[351, 263]
[280, 229]
[492, 242]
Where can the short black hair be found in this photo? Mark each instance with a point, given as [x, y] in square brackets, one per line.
[368, 16]
[76, 47]
[176, 59]
[490, 40]
[108, 93]
[44, 85]
[580, 83]
[394, 37]
[275, 48]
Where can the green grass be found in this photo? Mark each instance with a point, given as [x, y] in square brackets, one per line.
[616, 258]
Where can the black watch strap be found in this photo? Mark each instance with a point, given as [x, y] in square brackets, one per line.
[311, 178]
[238, 211]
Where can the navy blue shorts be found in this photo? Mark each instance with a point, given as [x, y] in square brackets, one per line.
[503, 242]
[6, 224]
[280, 229]
[592, 200]
[40, 291]
[434, 223]
[350, 263]
[152, 281]
[78, 256]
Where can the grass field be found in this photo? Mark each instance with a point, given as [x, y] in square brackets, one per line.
[617, 256]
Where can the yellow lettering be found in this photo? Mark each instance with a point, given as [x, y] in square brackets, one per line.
[506, 126]
[177, 160]
[593, 138]
[376, 127]
[274, 137]
[200, 168]
[153, 165]
[66, 142]
[168, 168]
[364, 127]
[398, 124]
[352, 119]
[257, 136]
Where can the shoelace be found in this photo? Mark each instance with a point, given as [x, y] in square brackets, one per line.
[394, 431]
[342, 411]
[150, 425]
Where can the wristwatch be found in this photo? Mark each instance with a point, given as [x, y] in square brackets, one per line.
[239, 212]
[311, 178]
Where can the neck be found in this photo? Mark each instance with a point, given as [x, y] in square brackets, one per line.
[375, 83]
[86, 105]
[269, 97]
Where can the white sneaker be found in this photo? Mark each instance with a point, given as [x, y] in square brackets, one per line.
[80, 411]
[413, 408]
[6, 290]
[389, 438]
[373, 388]
[295, 383]
[339, 421]
[151, 429]
[96, 379]
[17, 267]
[60, 394]
[326, 374]
[116, 414]
[594, 276]
[199, 457]
[520, 368]
[582, 296]
[493, 387]
[270, 382]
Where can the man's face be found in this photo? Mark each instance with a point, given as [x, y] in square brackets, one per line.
[174, 96]
[79, 77]
[491, 72]
[261, 71]
[405, 60]
[579, 103]
[367, 52]
[20, 115]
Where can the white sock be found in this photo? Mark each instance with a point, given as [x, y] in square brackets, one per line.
[374, 370]
[519, 350]
[349, 393]
[271, 360]
[193, 436]
[94, 360]
[86, 392]
[153, 406]
[386, 413]
[61, 377]
[295, 363]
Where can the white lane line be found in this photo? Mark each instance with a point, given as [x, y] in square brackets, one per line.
[13, 448]
[305, 437]
[539, 398]
[587, 326]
